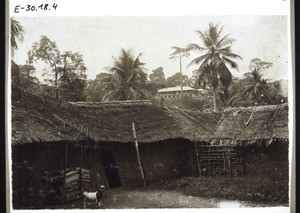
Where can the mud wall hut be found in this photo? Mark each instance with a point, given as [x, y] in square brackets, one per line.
[54, 139]
[261, 133]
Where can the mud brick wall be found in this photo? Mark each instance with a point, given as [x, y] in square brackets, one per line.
[160, 161]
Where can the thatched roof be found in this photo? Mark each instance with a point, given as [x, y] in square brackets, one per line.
[254, 123]
[53, 121]
[105, 122]
[31, 123]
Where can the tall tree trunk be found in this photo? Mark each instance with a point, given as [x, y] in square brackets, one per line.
[181, 77]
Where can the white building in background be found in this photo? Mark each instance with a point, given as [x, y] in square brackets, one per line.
[175, 92]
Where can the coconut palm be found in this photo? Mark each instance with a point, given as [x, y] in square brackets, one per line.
[217, 57]
[16, 33]
[256, 88]
[127, 80]
[179, 53]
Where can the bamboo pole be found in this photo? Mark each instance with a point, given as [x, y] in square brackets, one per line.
[138, 154]
[65, 173]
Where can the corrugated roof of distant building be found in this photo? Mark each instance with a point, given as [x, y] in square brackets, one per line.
[178, 88]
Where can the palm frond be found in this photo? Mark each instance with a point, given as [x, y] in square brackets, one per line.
[213, 32]
[109, 95]
[205, 38]
[108, 85]
[194, 47]
[204, 67]
[227, 42]
[198, 60]
[116, 70]
[16, 33]
[232, 55]
[224, 50]
[179, 52]
[220, 32]
[232, 64]
[220, 44]
[225, 75]
[138, 91]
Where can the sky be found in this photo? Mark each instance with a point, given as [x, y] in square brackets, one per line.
[101, 37]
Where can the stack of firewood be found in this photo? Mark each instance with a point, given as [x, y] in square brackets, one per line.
[72, 185]
[86, 180]
[73, 181]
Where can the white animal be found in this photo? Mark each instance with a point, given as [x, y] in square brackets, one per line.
[93, 196]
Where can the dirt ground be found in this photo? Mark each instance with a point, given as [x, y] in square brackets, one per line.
[124, 198]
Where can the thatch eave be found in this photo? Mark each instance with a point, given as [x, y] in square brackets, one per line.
[35, 120]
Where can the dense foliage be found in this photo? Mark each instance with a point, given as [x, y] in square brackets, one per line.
[126, 79]
[66, 71]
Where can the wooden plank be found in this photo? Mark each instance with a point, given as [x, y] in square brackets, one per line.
[65, 173]
[80, 174]
[138, 154]
[99, 176]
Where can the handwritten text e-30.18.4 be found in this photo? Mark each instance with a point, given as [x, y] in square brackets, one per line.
[28, 7]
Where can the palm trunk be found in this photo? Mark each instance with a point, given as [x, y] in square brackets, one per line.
[181, 78]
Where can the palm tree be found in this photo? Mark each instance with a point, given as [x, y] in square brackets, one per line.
[16, 33]
[213, 64]
[229, 95]
[256, 88]
[179, 53]
[127, 80]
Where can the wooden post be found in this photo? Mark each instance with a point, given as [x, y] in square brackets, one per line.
[197, 155]
[224, 161]
[65, 173]
[80, 174]
[138, 154]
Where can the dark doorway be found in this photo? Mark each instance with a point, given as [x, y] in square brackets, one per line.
[111, 169]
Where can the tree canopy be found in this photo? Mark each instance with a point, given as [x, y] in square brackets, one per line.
[157, 75]
[68, 68]
[175, 80]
